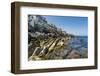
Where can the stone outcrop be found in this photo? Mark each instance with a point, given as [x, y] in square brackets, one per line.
[46, 41]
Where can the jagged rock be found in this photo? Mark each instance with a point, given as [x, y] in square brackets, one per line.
[74, 54]
[46, 41]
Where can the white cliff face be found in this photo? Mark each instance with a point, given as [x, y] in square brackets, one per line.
[35, 19]
[32, 20]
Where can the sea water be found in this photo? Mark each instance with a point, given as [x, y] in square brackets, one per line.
[79, 42]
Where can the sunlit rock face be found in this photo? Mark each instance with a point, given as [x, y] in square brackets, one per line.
[48, 42]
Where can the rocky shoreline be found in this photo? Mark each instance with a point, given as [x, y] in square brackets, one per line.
[58, 49]
[47, 42]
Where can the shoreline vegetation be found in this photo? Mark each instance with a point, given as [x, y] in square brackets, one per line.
[47, 42]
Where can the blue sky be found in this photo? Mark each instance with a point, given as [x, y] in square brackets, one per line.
[71, 24]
